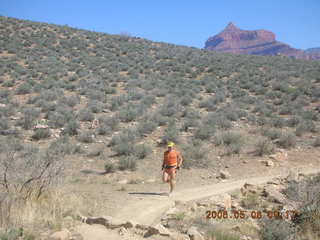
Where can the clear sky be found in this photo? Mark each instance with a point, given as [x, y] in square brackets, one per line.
[296, 22]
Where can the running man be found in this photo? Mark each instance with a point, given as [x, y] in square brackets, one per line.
[172, 161]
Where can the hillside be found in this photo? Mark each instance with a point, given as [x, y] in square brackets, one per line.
[101, 107]
[258, 42]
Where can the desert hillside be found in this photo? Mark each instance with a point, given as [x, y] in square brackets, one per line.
[89, 114]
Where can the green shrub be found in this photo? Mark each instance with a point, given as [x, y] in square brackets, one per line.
[71, 128]
[196, 155]
[24, 88]
[110, 167]
[287, 140]
[86, 136]
[29, 117]
[221, 235]
[85, 115]
[171, 133]
[146, 127]
[275, 230]
[4, 123]
[124, 148]
[271, 133]
[142, 150]
[204, 132]
[128, 163]
[263, 147]
[316, 142]
[305, 126]
[250, 201]
[41, 133]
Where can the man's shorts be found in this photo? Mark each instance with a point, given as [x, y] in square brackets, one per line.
[170, 169]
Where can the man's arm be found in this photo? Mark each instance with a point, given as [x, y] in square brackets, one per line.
[180, 160]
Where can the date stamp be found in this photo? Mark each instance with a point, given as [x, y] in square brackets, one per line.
[254, 214]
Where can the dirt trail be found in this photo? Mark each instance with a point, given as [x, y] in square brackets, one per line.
[148, 208]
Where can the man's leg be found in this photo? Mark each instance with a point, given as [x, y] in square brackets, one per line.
[172, 180]
[165, 176]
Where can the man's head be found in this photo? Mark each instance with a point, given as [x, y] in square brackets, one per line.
[170, 145]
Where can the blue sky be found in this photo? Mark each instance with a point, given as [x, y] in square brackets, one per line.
[296, 22]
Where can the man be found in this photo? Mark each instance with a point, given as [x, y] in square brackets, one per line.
[172, 161]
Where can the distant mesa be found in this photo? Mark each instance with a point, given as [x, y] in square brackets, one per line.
[258, 42]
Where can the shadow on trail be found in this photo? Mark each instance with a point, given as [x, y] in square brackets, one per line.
[93, 172]
[149, 193]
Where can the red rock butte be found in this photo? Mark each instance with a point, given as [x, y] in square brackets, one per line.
[257, 42]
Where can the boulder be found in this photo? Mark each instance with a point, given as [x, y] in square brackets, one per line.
[273, 194]
[62, 235]
[224, 174]
[280, 156]
[293, 176]
[269, 163]
[179, 236]
[227, 201]
[124, 181]
[194, 234]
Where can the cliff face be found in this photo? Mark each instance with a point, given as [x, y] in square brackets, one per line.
[259, 42]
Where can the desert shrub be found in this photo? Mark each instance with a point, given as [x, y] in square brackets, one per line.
[27, 173]
[171, 133]
[24, 88]
[233, 141]
[186, 100]
[229, 138]
[278, 122]
[142, 150]
[29, 117]
[4, 123]
[127, 136]
[309, 115]
[110, 167]
[71, 101]
[204, 132]
[208, 104]
[287, 140]
[96, 152]
[8, 83]
[71, 128]
[85, 115]
[41, 133]
[146, 127]
[127, 163]
[159, 119]
[196, 155]
[86, 136]
[218, 120]
[307, 219]
[123, 148]
[263, 147]
[129, 113]
[103, 129]
[109, 122]
[221, 235]
[250, 201]
[271, 133]
[275, 230]
[189, 123]
[304, 127]
[316, 142]
[293, 121]
[95, 106]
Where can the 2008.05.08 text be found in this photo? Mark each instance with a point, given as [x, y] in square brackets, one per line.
[255, 214]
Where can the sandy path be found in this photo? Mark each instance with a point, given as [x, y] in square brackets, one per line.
[148, 208]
